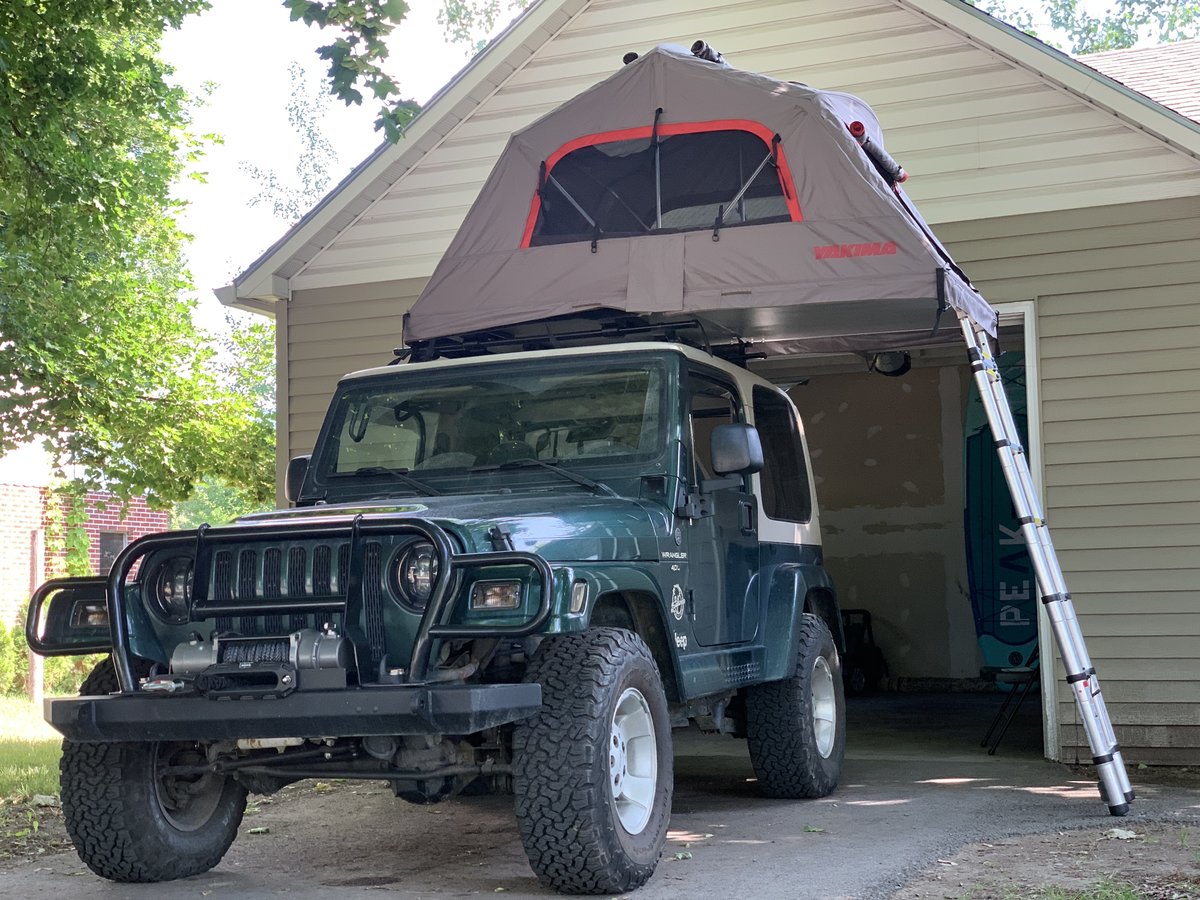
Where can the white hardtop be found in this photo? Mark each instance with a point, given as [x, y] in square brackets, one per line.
[745, 379]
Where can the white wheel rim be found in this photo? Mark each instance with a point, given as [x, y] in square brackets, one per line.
[824, 707]
[633, 761]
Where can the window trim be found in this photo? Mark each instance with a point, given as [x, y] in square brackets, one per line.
[796, 436]
[644, 132]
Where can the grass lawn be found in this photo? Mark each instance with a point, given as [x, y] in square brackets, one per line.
[29, 751]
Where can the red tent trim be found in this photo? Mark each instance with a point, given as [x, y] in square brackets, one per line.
[766, 135]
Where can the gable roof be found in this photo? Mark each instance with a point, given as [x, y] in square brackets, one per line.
[1168, 73]
[267, 279]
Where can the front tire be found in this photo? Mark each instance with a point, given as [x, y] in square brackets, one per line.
[593, 771]
[796, 728]
[134, 820]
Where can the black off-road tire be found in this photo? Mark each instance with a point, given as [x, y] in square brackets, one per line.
[116, 818]
[564, 771]
[791, 757]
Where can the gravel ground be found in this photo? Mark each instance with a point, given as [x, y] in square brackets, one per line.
[921, 812]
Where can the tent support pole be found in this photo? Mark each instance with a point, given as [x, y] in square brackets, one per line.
[1115, 789]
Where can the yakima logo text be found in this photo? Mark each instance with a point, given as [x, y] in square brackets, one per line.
[841, 251]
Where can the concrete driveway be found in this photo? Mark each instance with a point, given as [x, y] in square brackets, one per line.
[915, 788]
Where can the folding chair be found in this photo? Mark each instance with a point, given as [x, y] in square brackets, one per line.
[1022, 679]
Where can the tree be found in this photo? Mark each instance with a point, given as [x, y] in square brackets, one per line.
[472, 21]
[246, 372]
[1121, 26]
[99, 352]
[290, 200]
[355, 58]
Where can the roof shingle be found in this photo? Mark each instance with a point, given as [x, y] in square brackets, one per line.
[1168, 73]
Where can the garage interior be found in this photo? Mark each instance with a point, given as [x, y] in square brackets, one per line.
[888, 463]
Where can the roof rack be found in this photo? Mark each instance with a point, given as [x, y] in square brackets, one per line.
[581, 330]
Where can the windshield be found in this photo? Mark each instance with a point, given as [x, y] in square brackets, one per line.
[478, 419]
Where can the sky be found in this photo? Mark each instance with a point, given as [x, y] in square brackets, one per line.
[245, 48]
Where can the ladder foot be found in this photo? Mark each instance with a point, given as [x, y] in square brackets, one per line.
[1119, 810]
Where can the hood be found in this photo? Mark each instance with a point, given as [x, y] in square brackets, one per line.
[560, 526]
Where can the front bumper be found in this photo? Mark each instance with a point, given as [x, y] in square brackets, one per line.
[383, 710]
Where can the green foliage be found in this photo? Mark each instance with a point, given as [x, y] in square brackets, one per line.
[67, 543]
[100, 355]
[212, 503]
[471, 21]
[306, 108]
[246, 374]
[10, 668]
[1120, 26]
[355, 57]
[61, 675]
[27, 768]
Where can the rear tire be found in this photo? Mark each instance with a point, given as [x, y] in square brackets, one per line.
[796, 728]
[593, 771]
[130, 820]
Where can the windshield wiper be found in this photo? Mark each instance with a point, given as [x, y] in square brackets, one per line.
[399, 475]
[552, 465]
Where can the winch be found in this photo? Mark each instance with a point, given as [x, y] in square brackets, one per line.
[231, 665]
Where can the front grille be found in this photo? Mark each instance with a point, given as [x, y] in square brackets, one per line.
[373, 600]
[222, 588]
[247, 575]
[272, 572]
[322, 576]
[273, 588]
[305, 582]
[297, 558]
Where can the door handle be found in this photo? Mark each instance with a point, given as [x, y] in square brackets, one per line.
[748, 516]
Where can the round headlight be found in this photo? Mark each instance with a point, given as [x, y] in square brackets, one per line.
[416, 573]
[173, 589]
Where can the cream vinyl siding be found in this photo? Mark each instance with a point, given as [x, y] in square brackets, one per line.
[1118, 317]
[976, 130]
[332, 332]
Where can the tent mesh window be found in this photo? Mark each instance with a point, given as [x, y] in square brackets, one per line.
[623, 188]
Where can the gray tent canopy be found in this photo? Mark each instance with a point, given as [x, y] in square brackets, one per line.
[683, 187]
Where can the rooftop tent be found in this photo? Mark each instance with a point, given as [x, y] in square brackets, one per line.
[680, 186]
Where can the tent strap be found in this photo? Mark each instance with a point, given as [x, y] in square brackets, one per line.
[769, 158]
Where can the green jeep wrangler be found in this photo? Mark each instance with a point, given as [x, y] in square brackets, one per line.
[515, 572]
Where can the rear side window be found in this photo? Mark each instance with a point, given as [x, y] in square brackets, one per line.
[784, 478]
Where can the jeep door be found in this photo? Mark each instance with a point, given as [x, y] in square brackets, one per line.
[723, 542]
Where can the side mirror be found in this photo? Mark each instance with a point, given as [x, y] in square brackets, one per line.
[736, 449]
[294, 479]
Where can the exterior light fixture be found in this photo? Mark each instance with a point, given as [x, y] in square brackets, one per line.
[892, 363]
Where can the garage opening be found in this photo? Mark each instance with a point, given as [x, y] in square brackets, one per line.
[921, 538]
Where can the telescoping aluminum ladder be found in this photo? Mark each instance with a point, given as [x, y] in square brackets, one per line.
[1115, 789]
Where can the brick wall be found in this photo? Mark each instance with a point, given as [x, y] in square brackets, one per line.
[133, 519]
[24, 514]
[22, 509]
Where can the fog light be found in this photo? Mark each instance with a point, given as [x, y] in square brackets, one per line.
[90, 614]
[579, 596]
[496, 595]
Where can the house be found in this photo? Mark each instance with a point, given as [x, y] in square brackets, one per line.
[1073, 202]
[30, 513]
